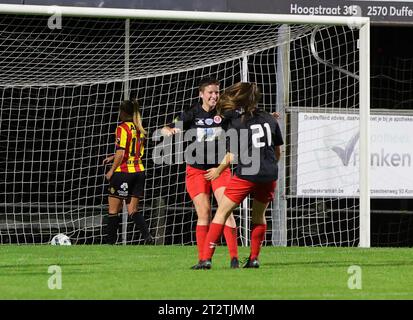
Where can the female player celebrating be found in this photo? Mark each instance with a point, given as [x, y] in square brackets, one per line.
[262, 139]
[207, 126]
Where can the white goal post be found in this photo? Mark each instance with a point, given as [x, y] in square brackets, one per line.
[61, 89]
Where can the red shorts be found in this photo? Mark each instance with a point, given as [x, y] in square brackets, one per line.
[238, 189]
[196, 182]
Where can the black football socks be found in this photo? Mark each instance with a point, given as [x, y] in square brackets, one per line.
[112, 228]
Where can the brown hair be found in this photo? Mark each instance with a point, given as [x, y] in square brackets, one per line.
[241, 94]
[131, 108]
[207, 82]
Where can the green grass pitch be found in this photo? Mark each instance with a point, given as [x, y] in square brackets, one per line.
[162, 272]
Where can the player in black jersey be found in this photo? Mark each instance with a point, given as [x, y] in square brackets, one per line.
[256, 156]
[201, 175]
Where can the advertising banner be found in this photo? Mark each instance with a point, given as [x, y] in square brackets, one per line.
[328, 155]
[379, 11]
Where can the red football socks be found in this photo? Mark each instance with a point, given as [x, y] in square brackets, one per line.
[201, 233]
[257, 236]
[230, 235]
[214, 234]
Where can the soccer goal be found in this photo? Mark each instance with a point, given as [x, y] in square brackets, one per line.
[65, 70]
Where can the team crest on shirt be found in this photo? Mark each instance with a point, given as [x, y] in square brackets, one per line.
[209, 121]
[217, 119]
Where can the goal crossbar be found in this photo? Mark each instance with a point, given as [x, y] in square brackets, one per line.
[182, 15]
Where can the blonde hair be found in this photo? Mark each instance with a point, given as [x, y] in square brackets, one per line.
[240, 95]
[132, 108]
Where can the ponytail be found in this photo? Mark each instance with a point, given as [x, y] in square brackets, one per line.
[131, 111]
[137, 118]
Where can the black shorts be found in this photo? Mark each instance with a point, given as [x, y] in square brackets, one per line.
[124, 185]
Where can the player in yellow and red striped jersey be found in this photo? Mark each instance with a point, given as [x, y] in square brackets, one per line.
[132, 141]
[127, 175]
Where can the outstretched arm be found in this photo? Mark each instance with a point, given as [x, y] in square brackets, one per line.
[182, 122]
[168, 131]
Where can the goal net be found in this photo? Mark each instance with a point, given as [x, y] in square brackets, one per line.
[61, 87]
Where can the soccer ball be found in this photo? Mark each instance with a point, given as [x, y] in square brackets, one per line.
[60, 240]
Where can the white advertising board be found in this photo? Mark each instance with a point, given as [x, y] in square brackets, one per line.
[328, 155]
